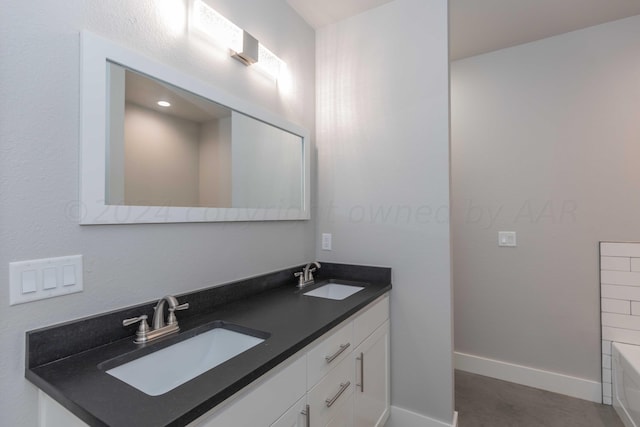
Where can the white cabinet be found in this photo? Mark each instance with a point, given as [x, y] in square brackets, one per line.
[327, 389]
[263, 403]
[351, 364]
[371, 397]
[331, 349]
[53, 414]
[344, 415]
[297, 416]
[326, 397]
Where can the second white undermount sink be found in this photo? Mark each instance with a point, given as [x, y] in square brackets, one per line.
[335, 291]
[166, 369]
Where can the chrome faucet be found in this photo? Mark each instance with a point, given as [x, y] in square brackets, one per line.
[160, 327]
[305, 277]
[158, 316]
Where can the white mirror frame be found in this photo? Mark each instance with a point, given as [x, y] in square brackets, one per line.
[95, 52]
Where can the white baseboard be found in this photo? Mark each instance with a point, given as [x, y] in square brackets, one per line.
[545, 380]
[404, 418]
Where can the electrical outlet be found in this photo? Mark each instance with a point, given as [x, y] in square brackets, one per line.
[507, 238]
[326, 241]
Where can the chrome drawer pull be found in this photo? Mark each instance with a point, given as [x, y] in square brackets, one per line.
[361, 359]
[307, 415]
[342, 348]
[343, 387]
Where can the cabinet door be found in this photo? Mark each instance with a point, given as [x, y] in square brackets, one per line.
[296, 416]
[343, 416]
[372, 379]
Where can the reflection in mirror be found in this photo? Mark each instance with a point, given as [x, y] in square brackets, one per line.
[170, 147]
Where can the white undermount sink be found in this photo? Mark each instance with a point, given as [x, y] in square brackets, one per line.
[336, 291]
[166, 369]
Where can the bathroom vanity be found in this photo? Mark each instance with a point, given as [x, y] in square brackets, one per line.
[316, 360]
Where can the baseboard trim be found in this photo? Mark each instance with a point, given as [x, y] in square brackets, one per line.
[404, 418]
[532, 377]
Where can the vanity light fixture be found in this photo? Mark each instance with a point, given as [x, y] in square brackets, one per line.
[242, 45]
[216, 26]
[269, 63]
[164, 103]
[249, 54]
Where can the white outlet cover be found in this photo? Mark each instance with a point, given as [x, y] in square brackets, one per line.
[326, 241]
[507, 239]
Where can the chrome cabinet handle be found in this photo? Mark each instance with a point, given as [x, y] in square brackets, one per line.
[361, 359]
[307, 415]
[343, 387]
[342, 348]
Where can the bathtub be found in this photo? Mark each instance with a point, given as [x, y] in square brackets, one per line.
[625, 361]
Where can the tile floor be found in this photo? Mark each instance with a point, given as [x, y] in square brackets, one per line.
[487, 402]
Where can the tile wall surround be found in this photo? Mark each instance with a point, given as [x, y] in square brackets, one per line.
[619, 302]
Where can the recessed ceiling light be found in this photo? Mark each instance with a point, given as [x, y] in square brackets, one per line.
[164, 104]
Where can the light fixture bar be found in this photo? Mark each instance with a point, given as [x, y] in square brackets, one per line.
[216, 26]
[250, 52]
[242, 45]
[269, 63]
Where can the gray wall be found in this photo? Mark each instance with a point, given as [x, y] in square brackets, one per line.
[383, 178]
[162, 159]
[39, 127]
[266, 169]
[545, 143]
[215, 163]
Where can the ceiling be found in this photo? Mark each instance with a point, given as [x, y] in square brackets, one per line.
[480, 26]
[146, 92]
[319, 13]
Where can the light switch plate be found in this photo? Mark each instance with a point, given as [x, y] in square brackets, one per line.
[507, 239]
[44, 278]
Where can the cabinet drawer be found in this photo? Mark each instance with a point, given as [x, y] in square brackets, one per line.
[344, 415]
[329, 353]
[370, 320]
[328, 396]
[260, 404]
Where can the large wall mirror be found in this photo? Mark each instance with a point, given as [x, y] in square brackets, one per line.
[161, 146]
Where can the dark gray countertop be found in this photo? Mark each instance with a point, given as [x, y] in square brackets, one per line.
[293, 320]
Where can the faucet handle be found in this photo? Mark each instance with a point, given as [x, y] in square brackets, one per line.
[143, 329]
[142, 319]
[172, 319]
[182, 306]
[300, 276]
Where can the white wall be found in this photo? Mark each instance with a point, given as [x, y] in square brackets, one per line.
[544, 142]
[383, 173]
[39, 128]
